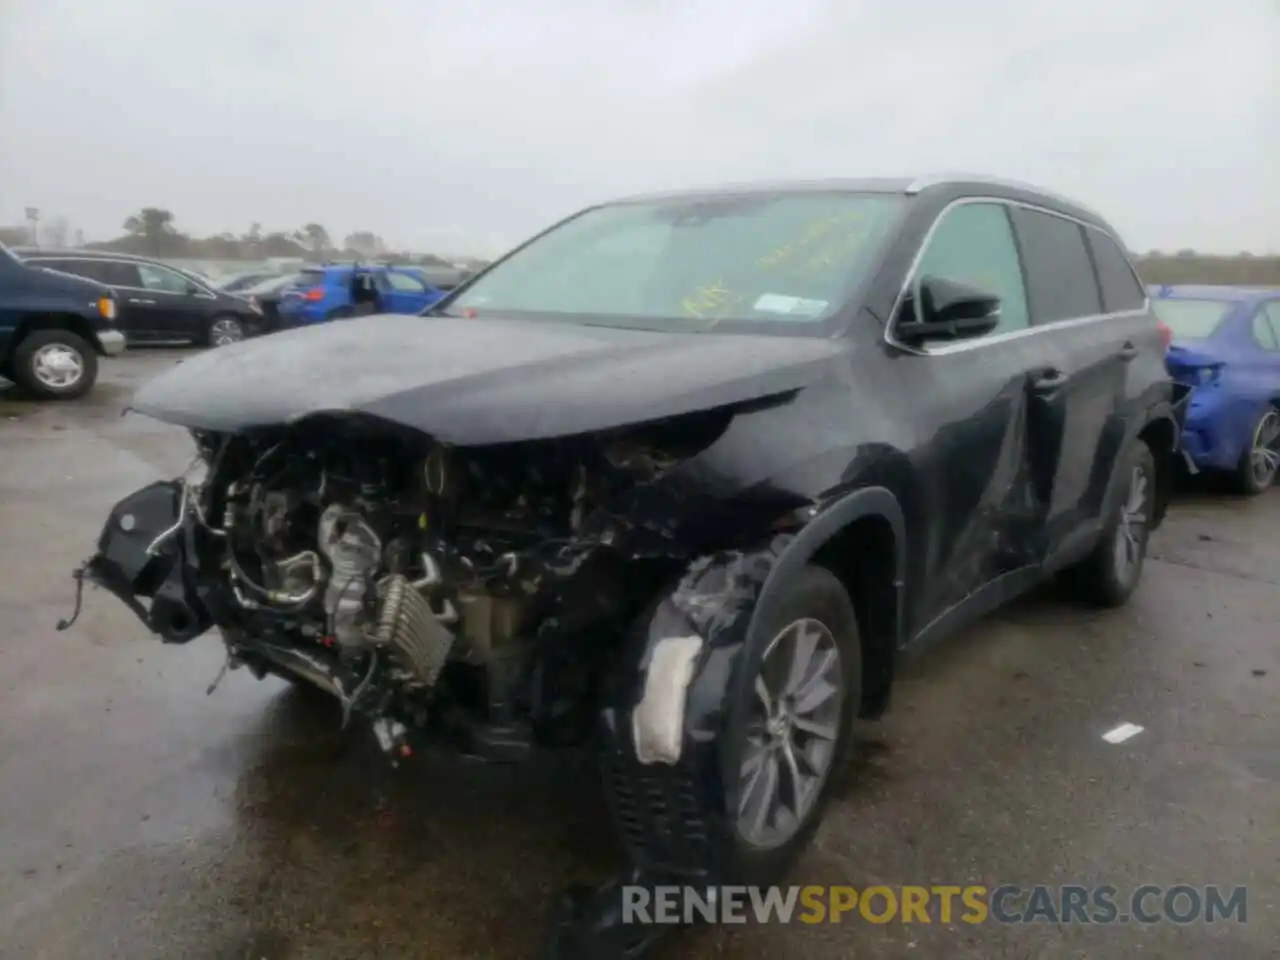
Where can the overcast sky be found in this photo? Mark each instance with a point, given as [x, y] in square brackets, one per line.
[464, 127]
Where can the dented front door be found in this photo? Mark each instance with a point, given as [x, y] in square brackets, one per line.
[982, 508]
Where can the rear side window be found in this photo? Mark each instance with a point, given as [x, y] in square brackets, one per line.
[1060, 280]
[973, 243]
[1120, 287]
[117, 273]
[310, 278]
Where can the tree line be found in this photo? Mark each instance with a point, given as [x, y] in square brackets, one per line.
[153, 232]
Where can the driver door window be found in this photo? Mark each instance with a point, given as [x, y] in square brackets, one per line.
[973, 243]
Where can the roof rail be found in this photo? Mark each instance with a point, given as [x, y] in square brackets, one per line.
[938, 179]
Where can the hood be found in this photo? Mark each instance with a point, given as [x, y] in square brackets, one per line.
[475, 382]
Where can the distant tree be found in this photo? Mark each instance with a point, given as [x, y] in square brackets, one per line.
[279, 244]
[364, 243]
[1186, 252]
[153, 226]
[316, 237]
[254, 235]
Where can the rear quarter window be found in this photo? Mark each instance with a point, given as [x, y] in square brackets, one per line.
[1060, 280]
[310, 278]
[1121, 290]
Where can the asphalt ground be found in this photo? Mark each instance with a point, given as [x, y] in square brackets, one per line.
[140, 818]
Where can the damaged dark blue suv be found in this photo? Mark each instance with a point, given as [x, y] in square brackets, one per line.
[680, 478]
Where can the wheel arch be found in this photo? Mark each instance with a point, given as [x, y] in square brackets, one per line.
[860, 538]
[1161, 434]
[70, 322]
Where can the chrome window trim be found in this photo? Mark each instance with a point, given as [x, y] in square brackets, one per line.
[977, 343]
[922, 183]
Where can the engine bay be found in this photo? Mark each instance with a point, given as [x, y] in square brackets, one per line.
[481, 588]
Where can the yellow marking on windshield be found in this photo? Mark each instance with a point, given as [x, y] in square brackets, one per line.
[818, 246]
[710, 300]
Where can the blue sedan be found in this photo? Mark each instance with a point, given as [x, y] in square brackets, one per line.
[1226, 346]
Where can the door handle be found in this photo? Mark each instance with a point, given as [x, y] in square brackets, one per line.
[1048, 380]
[1127, 352]
[150, 303]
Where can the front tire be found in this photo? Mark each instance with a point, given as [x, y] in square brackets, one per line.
[55, 365]
[1110, 574]
[799, 727]
[1260, 461]
[224, 331]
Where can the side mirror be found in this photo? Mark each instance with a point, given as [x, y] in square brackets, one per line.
[947, 310]
[193, 289]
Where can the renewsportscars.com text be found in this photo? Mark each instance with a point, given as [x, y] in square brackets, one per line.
[972, 904]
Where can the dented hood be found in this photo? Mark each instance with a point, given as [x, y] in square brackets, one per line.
[472, 382]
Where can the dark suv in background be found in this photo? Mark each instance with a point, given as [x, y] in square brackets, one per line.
[159, 303]
[53, 328]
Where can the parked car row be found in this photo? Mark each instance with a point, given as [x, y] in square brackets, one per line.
[159, 303]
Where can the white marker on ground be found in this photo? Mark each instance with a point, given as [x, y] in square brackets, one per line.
[1122, 733]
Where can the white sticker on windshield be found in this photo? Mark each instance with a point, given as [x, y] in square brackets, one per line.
[777, 303]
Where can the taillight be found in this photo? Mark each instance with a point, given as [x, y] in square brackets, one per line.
[313, 295]
[1166, 334]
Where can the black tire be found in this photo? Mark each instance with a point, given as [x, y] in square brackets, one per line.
[32, 351]
[1107, 578]
[1247, 479]
[222, 326]
[815, 594]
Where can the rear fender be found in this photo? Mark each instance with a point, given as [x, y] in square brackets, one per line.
[146, 555]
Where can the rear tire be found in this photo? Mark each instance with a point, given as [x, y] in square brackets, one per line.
[1256, 471]
[1110, 574]
[55, 365]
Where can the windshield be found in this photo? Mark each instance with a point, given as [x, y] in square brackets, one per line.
[1192, 319]
[747, 262]
[309, 278]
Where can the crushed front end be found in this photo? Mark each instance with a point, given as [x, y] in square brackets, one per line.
[478, 594]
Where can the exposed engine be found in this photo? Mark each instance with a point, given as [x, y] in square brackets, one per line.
[379, 567]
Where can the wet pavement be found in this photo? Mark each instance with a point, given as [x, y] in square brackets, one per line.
[140, 818]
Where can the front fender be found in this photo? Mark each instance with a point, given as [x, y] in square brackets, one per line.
[675, 717]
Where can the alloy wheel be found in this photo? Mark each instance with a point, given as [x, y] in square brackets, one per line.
[57, 366]
[225, 331]
[1264, 454]
[1132, 530]
[792, 731]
